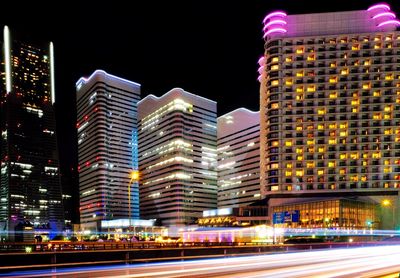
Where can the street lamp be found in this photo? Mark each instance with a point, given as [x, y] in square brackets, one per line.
[388, 203]
[134, 175]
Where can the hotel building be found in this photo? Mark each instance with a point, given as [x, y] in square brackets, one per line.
[238, 158]
[177, 157]
[107, 148]
[330, 106]
[30, 191]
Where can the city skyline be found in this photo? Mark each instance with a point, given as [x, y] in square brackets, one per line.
[222, 40]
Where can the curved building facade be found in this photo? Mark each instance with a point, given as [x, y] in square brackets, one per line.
[330, 105]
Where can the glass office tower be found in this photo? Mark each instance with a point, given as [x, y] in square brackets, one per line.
[30, 192]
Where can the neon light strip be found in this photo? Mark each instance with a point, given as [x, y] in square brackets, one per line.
[259, 78]
[278, 13]
[273, 22]
[396, 22]
[52, 81]
[261, 69]
[275, 30]
[85, 80]
[392, 15]
[261, 60]
[379, 6]
[7, 50]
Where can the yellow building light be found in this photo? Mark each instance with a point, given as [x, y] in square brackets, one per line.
[355, 47]
[389, 76]
[321, 111]
[367, 62]
[275, 83]
[332, 141]
[377, 116]
[300, 73]
[310, 164]
[289, 165]
[288, 173]
[332, 65]
[343, 156]
[289, 59]
[388, 108]
[321, 149]
[376, 93]
[288, 143]
[300, 50]
[354, 110]
[274, 67]
[274, 105]
[311, 88]
[275, 60]
[299, 173]
[354, 155]
[332, 79]
[343, 133]
[342, 171]
[331, 164]
[387, 170]
[299, 150]
[333, 95]
[366, 86]
[275, 143]
[299, 157]
[320, 172]
[299, 128]
[376, 155]
[320, 126]
[355, 102]
[289, 82]
[310, 142]
[299, 90]
[344, 71]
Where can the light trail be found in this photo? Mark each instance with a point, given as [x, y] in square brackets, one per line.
[346, 262]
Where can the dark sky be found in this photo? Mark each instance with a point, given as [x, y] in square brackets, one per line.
[209, 48]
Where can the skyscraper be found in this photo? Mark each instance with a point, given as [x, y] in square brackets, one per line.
[177, 157]
[238, 158]
[30, 193]
[107, 148]
[330, 105]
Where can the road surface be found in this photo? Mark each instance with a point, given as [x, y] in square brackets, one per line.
[382, 261]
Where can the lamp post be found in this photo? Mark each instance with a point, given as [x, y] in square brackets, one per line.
[388, 203]
[134, 175]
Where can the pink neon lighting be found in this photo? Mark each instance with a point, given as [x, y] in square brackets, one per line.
[261, 60]
[277, 13]
[392, 15]
[275, 30]
[379, 6]
[275, 22]
[261, 69]
[259, 78]
[396, 22]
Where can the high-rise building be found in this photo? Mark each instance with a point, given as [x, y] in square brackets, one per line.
[330, 105]
[30, 192]
[177, 157]
[238, 158]
[107, 148]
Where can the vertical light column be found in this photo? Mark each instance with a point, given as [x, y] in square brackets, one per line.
[7, 58]
[53, 93]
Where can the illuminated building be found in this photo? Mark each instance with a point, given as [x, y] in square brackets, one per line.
[107, 148]
[332, 213]
[238, 158]
[330, 105]
[30, 192]
[177, 157]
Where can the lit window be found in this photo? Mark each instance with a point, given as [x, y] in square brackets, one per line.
[342, 171]
[332, 141]
[367, 62]
[274, 166]
[377, 46]
[300, 50]
[288, 143]
[376, 155]
[389, 76]
[353, 178]
[355, 47]
[289, 165]
[333, 95]
[299, 173]
[386, 162]
[275, 105]
[299, 150]
[311, 57]
[311, 142]
[344, 71]
[289, 82]
[365, 155]
[289, 188]
[332, 65]
[311, 88]
[354, 155]
[366, 86]
[364, 163]
[321, 149]
[388, 131]
[343, 133]
[275, 67]
[275, 83]
[275, 143]
[310, 164]
[300, 74]
[320, 172]
[320, 126]
[321, 111]
[343, 156]
[387, 170]
[376, 93]
[289, 59]
[331, 164]
[275, 59]
[388, 108]
[354, 110]
[299, 128]
[377, 116]
[387, 117]
[299, 157]
[288, 173]
[332, 79]
[299, 89]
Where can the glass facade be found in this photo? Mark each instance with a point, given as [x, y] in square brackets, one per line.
[30, 186]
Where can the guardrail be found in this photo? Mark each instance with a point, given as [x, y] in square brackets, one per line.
[150, 251]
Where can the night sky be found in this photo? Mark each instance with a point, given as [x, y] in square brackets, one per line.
[209, 48]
